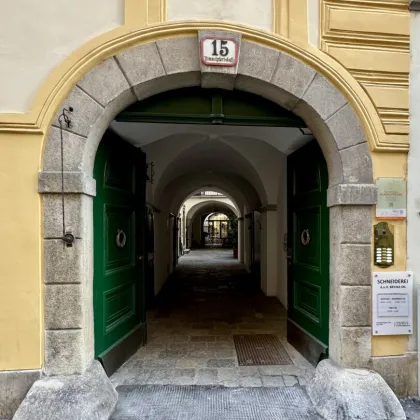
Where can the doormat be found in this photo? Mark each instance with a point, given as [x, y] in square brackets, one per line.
[260, 350]
[160, 402]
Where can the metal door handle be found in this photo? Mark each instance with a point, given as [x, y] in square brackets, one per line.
[140, 257]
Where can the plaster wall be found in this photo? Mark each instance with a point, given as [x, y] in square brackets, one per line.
[313, 22]
[38, 35]
[157, 152]
[267, 161]
[249, 12]
[21, 267]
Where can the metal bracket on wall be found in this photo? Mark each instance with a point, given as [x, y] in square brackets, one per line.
[152, 172]
[68, 237]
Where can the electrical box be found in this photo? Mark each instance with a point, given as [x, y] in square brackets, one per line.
[384, 244]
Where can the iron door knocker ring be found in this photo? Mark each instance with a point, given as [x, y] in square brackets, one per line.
[305, 237]
[121, 238]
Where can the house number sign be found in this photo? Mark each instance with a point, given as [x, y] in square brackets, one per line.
[217, 51]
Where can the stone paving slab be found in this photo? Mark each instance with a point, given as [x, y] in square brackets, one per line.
[212, 403]
[193, 327]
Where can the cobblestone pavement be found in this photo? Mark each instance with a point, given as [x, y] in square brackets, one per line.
[190, 332]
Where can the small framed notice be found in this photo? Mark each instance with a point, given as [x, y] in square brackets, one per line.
[392, 305]
[216, 51]
[392, 198]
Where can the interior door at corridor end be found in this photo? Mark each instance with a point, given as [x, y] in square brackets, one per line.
[119, 263]
[308, 251]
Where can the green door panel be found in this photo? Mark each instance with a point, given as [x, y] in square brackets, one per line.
[308, 227]
[118, 212]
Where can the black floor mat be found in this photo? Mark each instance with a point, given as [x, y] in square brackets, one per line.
[260, 350]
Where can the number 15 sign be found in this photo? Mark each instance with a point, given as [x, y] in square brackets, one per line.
[219, 51]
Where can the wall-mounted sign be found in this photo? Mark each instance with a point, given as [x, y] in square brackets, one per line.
[219, 51]
[392, 198]
[392, 305]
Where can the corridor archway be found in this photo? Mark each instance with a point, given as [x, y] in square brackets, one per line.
[195, 215]
[174, 63]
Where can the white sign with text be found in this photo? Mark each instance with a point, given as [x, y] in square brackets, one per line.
[392, 303]
[219, 51]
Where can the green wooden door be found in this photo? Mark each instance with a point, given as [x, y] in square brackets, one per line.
[308, 227]
[119, 219]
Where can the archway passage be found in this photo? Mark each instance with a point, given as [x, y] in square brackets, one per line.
[207, 302]
[255, 157]
[210, 220]
[216, 227]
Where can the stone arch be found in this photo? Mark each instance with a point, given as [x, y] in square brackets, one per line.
[206, 208]
[206, 205]
[218, 190]
[237, 188]
[186, 165]
[171, 63]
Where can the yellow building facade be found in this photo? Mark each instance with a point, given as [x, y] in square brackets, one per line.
[361, 47]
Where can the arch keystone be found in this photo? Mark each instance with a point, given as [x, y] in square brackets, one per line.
[219, 76]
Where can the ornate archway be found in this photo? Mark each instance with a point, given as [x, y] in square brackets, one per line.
[170, 63]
